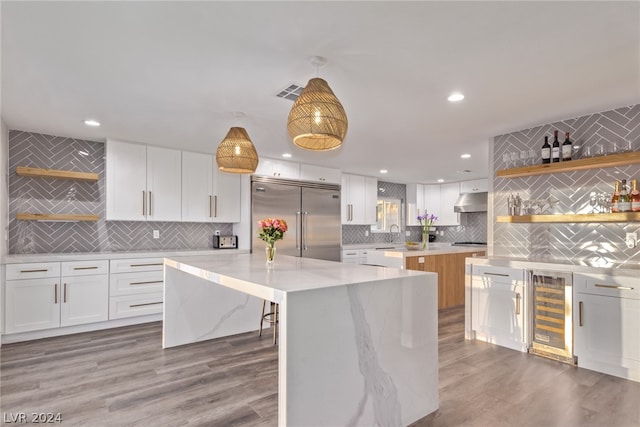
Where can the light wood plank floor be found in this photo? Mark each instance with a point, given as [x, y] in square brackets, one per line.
[122, 377]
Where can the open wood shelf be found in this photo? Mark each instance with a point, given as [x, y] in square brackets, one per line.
[59, 174]
[565, 218]
[55, 217]
[611, 160]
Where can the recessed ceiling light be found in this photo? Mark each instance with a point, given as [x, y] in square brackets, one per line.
[91, 122]
[455, 97]
[465, 156]
[383, 171]
[286, 155]
[440, 180]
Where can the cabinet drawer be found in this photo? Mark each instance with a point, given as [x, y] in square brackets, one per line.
[135, 305]
[135, 283]
[351, 254]
[497, 274]
[136, 264]
[612, 286]
[36, 270]
[84, 268]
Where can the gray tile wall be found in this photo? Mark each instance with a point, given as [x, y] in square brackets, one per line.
[597, 244]
[473, 225]
[43, 195]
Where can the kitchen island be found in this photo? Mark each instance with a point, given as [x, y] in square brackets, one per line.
[446, 260]
[357, 344]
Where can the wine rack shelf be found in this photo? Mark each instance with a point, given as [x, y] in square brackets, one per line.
[59, 174]
[569, 218]
[55, 217]
[612, 160]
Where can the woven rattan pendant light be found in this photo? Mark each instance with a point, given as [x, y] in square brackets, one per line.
[236, 153]
[317, 120]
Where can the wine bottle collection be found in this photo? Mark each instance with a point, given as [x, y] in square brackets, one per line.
[554, 152]
[623, 200]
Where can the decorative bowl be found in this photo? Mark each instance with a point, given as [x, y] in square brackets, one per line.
[412, 246]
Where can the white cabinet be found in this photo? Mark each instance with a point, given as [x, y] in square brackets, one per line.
[474, 186]
[135, 287]
[355, 256]
[498, 306]
[320, 174]
[84, 292]
[278, 169]
[606, 321]
[358, 198]
[449, 194]
[422, 198]
[142, 183]
[208, 195]
[34, 302]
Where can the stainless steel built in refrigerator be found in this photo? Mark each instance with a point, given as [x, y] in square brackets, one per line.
[312, 212]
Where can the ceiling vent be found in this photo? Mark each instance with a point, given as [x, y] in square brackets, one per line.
[291, 93]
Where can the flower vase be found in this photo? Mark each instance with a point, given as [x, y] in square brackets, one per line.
[270, 250]
[425, 240]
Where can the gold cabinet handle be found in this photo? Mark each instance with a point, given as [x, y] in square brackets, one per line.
[496, 274]
[580, 313]
[215, 206]
[44, 270]
[65, 293]
[144, 202]
[210, 204]
[150, 204]
[85, 268]
[624, 288]
[145, 283]
[145, 265]
[518, 303]
[55, 293]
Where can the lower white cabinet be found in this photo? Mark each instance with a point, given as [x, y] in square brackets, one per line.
[355, 256]
[607, 323]
[498, 306]
[78, 296]
[135, 287]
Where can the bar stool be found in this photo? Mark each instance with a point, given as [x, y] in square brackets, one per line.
[271, 317]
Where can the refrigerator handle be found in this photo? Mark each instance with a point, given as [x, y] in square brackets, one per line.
[298, 225]
[304, 230]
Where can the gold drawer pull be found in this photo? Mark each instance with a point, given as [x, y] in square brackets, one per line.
[142, 305]
[44, 270]
[145, 265]
[146, 283]
[580, 313]
[624, 288]
[518, 303]
[496, 274]
[85, 268]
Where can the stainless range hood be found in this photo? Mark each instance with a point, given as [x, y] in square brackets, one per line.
[471, 202]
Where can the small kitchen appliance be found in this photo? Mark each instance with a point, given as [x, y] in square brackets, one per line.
[225, 242]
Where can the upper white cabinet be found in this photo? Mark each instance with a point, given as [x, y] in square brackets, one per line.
[208, 195]
[320, 174]
[449, 194]
[359, 195]
[606, 318]
[422, 198]
[143, 183]
[474, 186]
[278, 169]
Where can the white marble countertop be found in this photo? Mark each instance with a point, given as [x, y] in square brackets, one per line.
[290, 274]
[433, 249]
[88, 256]
[624, 270]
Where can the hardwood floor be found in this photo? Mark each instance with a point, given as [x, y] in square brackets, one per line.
[122, 377]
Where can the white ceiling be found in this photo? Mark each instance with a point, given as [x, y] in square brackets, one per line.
[174, 73]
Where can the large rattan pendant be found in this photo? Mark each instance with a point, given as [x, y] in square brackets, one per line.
[236, 153]
[317, 120]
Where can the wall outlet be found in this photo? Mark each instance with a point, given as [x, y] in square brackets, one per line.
[217, 233]
[407, 233]
[631, 240]
[366, 233]
[156, 234]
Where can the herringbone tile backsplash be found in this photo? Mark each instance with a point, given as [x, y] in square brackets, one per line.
[42, 195]
[597, 244]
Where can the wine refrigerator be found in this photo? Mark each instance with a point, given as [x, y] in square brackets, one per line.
[551, 315]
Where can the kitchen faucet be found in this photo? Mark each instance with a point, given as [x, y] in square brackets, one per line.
[391, 231]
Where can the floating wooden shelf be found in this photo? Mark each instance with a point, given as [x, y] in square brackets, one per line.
[598, 217]
[55, 217]
[611, 160]
[59, 174]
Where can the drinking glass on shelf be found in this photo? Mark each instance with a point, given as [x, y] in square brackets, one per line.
[593, 201]
[506, 158]
[524, 155]
[514, 157]
[532, 156]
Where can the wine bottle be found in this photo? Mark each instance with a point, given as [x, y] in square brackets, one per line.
[615, 198]
[555, 150]
[624, 202]
[567, 146]
[546, 151]
[635, 196]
